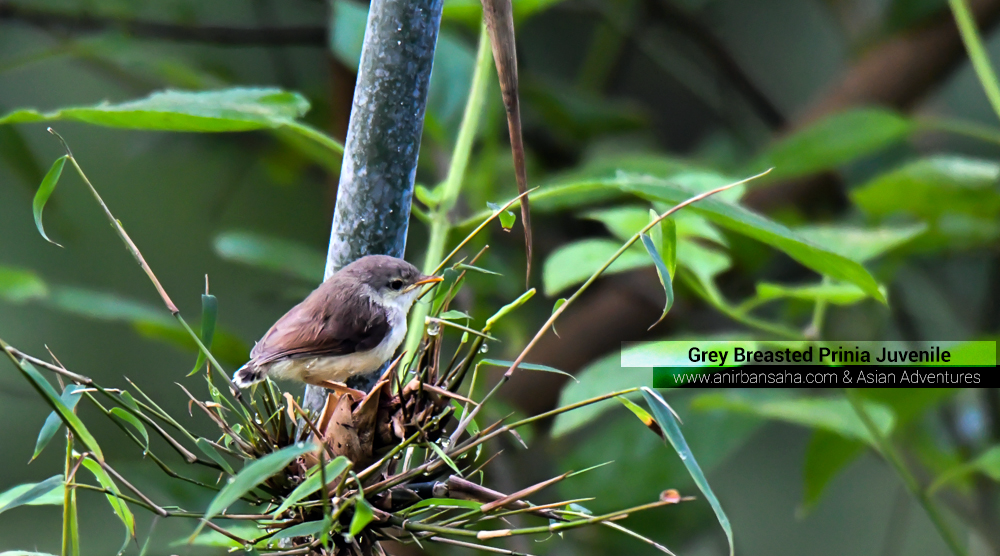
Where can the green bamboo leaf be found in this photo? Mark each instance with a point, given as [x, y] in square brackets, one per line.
[624, 221]
[933, 187]
[440, 453]
[860, 244]
[525, 366]
[255, 473]
[472, 427]
[69, 418]
[837, 294]
[209, 313]
[128, 400]
[24, 553]
[643, 416]
[521, 300]
[314, 481]
[664, 274]
[271, 253]
[753, 225]
[214, 455]
[506, 217]
[27, 494]
[555, 307]
[669, 245]
[454, 315]
[69, 398]
[307, 529]
[363, 515]
[117, 504]
[236, 109]
[52, 498]
[575, 262]
[835, 141]
[136, 424]
[463, 266]
[45, 191]
[18, 285]
[665, 418]
[443, 503]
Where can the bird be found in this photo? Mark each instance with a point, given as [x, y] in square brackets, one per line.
[348, 326]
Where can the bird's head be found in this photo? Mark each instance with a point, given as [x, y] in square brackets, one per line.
[391, 281]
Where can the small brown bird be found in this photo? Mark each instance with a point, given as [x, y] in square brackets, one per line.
[350, 325]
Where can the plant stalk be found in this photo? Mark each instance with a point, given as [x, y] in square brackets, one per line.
[452, 185]
[895, 459]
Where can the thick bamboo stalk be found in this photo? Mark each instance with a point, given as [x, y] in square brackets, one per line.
[383, 138]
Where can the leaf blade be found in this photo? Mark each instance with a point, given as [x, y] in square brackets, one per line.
[33, 493]
[117, 503]
[209, 314]
[663, 273]
[69, 418]
[314, 482]
[250, 476]
[69, 397]
[665, 418]
[45, 190]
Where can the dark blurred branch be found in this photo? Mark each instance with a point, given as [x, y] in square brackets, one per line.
[312, 36]
[717, 53]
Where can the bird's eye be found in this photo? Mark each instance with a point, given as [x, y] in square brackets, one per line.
[396, 285]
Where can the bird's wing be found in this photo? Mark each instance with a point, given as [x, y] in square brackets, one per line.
[316, 327]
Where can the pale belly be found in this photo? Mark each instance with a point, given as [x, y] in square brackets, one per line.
[340, 367]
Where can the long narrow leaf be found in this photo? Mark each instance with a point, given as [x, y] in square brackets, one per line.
[313, 483]
[34, 493]
[524, 297]
[214, 455]
[307, 529]
[209, 314]
[525, 366]
[52, 397]
[363, 515]
[252, 475]
[664, 274]
[52, 498]
[664, 416]
[69, 397]
[136, 424]
[117, 504]
[45, 190]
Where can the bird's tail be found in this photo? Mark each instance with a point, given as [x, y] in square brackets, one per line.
[248, 374]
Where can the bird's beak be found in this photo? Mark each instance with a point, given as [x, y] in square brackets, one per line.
[424, 280]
